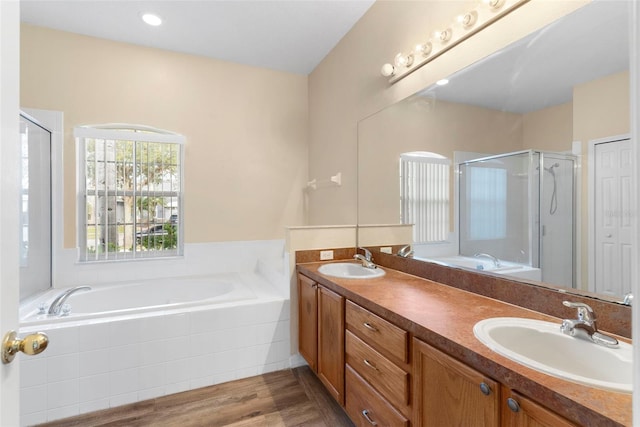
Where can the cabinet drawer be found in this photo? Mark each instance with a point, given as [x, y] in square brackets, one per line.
[366, 407]
[386, 377]
[377, 332]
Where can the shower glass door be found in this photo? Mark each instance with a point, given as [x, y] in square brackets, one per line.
[35, 208]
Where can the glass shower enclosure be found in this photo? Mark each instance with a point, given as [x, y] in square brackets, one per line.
[520, 207]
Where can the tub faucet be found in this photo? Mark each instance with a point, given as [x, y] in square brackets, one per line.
[405, 251]
[584, 326]
[57, 303]
[496, 261]
[628, 299]
[366, 259]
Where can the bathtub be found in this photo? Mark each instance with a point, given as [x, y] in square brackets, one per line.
[139, 340]
[506, 268]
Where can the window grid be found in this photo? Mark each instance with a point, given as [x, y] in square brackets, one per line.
[130, 191]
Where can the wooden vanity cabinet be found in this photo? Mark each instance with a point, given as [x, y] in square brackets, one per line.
[449, 393]
[321, 333]
[378, 380]
[519, 411]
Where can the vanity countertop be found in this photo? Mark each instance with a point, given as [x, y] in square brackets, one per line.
[444, 317]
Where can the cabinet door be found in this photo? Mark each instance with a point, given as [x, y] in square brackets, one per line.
[519, 411]
[308, 320]
[449, 393]
[331, 342]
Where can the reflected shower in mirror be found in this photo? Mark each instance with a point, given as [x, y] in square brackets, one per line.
[561, 94]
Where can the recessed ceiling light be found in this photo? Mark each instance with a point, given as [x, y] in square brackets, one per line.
[152, 19]
[442, 82]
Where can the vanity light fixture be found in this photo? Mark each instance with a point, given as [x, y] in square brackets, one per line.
[469, 19]
[423, 49]
[402, 60]
[151, 19]
[461, 28]
[388, 70]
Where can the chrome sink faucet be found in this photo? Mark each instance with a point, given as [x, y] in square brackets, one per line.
[57, 303]
[584, 326]
[496, 261]
[405, 251]
[366, 259]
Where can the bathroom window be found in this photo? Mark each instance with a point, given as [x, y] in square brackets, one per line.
[424, 195]
[129, 192]
[487, 203]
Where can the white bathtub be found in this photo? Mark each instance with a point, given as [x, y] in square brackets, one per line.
[506, 268]
[140, 340]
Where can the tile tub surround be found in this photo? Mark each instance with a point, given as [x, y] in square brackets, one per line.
[444, 316]
[111, 363]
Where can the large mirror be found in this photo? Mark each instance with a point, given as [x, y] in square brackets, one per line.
[519, 164]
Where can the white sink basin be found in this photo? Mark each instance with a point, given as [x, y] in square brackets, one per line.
[540, 345]
[350, 270]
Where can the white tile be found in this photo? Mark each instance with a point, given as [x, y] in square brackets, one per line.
[176, 387]
[124, 357]
[63, 412]
[93, 362]
[225, 377]
[123, 382]
[62, 394]
[62, 341]
[61, 368]
[94, 336]
[94, 405]
[152, 328]
[33, 399]
[223, 362]
[33, 372]
[124, 332]
[204, 343]
[207, 321]
[201, 382]
[33, 419]
[151, 393]
[94, 388]
[177, 371]
[151, 376]
[154, 352]
[176, 348]
[246, 357]
[123, 399]
[177, 325]
[247, 372]
[248, 336]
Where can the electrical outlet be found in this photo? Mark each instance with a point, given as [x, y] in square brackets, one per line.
[326, 255]
[386, 250]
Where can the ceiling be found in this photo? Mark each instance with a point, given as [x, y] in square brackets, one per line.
[541, 70]
[285, 35]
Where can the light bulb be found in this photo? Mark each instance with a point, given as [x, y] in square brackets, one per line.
[444, 35]
[442, 82]
[388, 70]
[469, 19]
[152, 19]
[423, 49]
[494, 4]
[402, 60]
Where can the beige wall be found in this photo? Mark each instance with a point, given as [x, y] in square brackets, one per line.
[549, 129]
[246, 128]
[347, 86]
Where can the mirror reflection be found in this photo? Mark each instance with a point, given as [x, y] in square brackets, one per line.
[517, 165]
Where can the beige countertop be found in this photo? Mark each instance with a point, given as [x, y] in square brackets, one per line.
[444, 317]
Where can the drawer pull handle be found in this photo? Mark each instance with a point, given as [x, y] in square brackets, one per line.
[365, 414]
[370, 327]
[485, 389]
[513, 405]
[369, 364]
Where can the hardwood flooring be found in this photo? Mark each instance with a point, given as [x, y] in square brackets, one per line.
[284, 398]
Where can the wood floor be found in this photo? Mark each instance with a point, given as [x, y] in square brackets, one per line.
[285, 398]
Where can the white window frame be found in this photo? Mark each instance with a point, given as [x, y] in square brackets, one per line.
[135, 133]
[425, 195]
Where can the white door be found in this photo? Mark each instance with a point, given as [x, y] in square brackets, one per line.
[9, 190]
[613, 210]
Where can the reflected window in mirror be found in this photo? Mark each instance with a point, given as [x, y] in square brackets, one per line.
[424, 195]
[487, 203]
